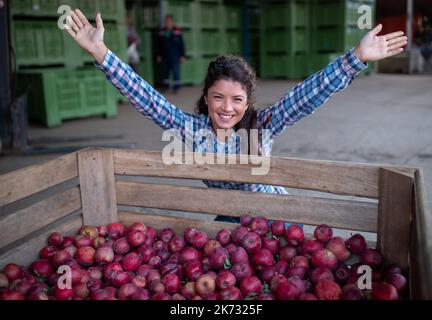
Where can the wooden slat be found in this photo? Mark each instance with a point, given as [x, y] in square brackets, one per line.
[18, 224]
[394, 217]
[98, 194]
[24, 182]
[343, 178]
[343, 214]
[28, 251]
[421, 244]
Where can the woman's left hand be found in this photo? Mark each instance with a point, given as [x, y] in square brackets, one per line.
[373, 47]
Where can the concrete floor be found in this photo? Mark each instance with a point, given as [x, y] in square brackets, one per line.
[378, 119]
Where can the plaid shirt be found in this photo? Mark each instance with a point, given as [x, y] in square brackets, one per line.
[296, 104]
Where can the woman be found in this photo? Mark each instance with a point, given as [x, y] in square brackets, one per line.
[225, 106]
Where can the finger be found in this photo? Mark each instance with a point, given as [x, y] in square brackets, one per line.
[82, 17]
[394, 52]
[377, 29]
[397, 45]
[76, 19]
[71, 32]
[393, 35]
[396, 40]
[99, 22]
[71, 24]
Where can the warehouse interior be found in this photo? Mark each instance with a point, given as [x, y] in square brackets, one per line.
[55, 101]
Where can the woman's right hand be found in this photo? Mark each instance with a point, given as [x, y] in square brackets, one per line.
[88, 37]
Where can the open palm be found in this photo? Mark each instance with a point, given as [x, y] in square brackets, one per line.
[87, 36]
[373, 47]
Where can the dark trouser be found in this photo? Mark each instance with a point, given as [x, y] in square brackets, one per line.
[168, 66]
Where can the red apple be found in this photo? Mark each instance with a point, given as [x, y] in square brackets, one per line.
[176, 244]
[309, 246]
[40, 268]
[136, 238]
[193, 270]
[287, 290]
[188, 290]
[224, 237]
[47, 252]
[342, 273]
[188, 254]
[67, 241]
[137, 226]
[324, 258]
[63, 294]
[116, 230]
[251, 242]
[217, 257]
[271, 244]
[287, 253]
[263, 257]
[225, 279]
[323, 233]
[103, 231]
[146, 253]
[211, 245]
[104, 255]
[121, 246]
[92, 232]
[60, 257]
[126, 291]
[241, 271]
[238, 234]
[397, 280]
[98, 242]
[250, 285]
[356, 244]
[82, 241]
[199, 240]
[328, 290]
[321, 273]
[351, 292]
[172, 283]
[131, 261]
[278, 228]
[294, 235]
[259, 225]
[232, 293]
[205, 285]
[141, 294]
[166, 235]
[307, 296]
[119, 278]
[372, 257]
[337, 246]
[85, 256]
[238, 255]
[384, 291]
[55, 239]
[245, 220]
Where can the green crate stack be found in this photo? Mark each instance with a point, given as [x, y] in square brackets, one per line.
[335, 29]
[45, 56]
[57, 94]
[285, 37]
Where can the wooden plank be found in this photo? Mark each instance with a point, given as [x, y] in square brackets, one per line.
[343, 178]
[28, 251]
[421, 244]
[19, 224]
[394, 217]
[24, 182]
[98, 194]
[343, 214]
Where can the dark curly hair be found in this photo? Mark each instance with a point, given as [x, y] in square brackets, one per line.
[234, 68]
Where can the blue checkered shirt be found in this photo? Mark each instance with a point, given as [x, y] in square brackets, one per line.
[296, 104]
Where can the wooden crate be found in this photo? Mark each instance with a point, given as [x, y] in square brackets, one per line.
[86, 188]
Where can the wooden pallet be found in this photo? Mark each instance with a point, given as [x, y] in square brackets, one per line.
[86, 188]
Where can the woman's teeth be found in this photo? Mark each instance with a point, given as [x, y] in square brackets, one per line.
[225, 117]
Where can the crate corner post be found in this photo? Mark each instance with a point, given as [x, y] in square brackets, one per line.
[97, 184]
[395, 215]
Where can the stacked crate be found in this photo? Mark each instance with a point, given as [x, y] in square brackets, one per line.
[285, 39]
[335, 30]
[59, 77]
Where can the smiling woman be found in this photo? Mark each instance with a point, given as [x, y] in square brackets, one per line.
[226, 104]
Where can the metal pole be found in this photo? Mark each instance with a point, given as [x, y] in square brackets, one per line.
[5, 80]
[409, 32]
[245, 30]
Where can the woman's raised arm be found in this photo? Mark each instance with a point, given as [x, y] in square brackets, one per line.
[141, 94]
[308, 95]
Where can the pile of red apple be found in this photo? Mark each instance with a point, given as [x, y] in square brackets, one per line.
[257, 260]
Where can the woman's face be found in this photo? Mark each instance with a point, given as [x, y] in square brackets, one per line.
[227, 102]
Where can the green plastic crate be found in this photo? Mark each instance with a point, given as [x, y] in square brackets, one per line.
[192, 71]
[210, 15]
[233, 41]
[286, 41]
[184, 12]
[210, 42]
[284, 66]
[290, 13]
[46, 8]
[39, 42]
[232, 17]
[58, 94]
